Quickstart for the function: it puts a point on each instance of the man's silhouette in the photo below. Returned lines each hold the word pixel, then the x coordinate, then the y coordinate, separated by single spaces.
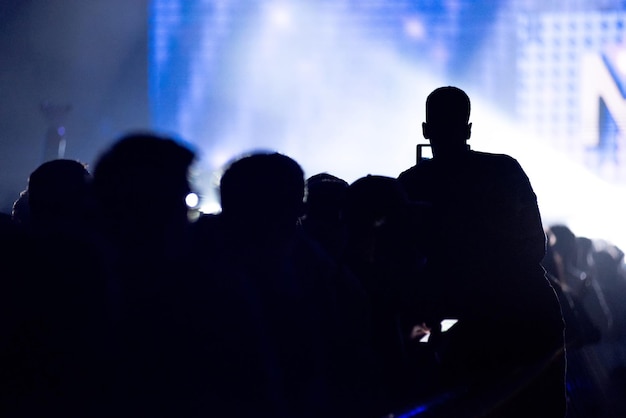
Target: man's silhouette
pixel 484 248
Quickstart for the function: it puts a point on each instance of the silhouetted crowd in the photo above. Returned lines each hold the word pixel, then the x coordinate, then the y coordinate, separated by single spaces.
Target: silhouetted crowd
pixel 423 295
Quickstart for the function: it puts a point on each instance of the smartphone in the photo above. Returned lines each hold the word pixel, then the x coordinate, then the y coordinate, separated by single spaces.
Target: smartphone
pixel 424 152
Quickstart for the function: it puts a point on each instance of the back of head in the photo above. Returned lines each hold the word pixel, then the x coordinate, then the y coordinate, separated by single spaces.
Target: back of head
pixel 263 187
pixel 144 176
pixel 325 196
pixel 563 242
pixel 447 120
pixel 378 216
pixel 448 105
pixel 372 200
pixel 59 190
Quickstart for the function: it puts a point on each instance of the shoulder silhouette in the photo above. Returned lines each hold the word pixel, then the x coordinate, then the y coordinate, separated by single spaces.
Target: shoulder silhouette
pixel 483 268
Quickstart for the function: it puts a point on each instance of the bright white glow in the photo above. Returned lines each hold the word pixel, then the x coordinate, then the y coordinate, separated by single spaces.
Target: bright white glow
pixel 220 156
pixel 280 16
pixel 324 95
pixel 621 61
pixel 446 324
pixel 210 207
pixel 192 200
pixel 414 28
pixel 302 96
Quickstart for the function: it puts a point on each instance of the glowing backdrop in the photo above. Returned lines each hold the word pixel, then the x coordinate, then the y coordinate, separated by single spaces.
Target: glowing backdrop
pixel 339 85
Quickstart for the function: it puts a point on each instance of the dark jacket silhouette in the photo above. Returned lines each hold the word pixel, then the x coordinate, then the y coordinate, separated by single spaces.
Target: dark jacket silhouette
pixel 484 248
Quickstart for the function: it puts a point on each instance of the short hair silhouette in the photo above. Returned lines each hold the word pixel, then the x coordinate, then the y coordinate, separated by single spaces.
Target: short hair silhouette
pixel 325 196
pixel 447 124
pixel 262 185
pixel 373 198
pixel 57 189
pixel 143 173
pixel 447 105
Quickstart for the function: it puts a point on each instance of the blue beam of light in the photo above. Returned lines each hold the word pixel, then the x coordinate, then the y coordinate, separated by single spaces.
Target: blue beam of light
pixel 339 86
pixel 414 412
pixel 427 407
pixel 291 77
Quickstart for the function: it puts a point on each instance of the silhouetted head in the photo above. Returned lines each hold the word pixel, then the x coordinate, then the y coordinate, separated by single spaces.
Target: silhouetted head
pixel 447 124
pixel 563 242
pixel 325 197
pixel 263 191
pixel 59 191
pixel 377 214
pixel 371 200
pixel 143 178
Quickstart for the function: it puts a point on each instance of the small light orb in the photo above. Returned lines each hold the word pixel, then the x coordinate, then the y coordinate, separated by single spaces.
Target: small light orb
pixel 192 200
